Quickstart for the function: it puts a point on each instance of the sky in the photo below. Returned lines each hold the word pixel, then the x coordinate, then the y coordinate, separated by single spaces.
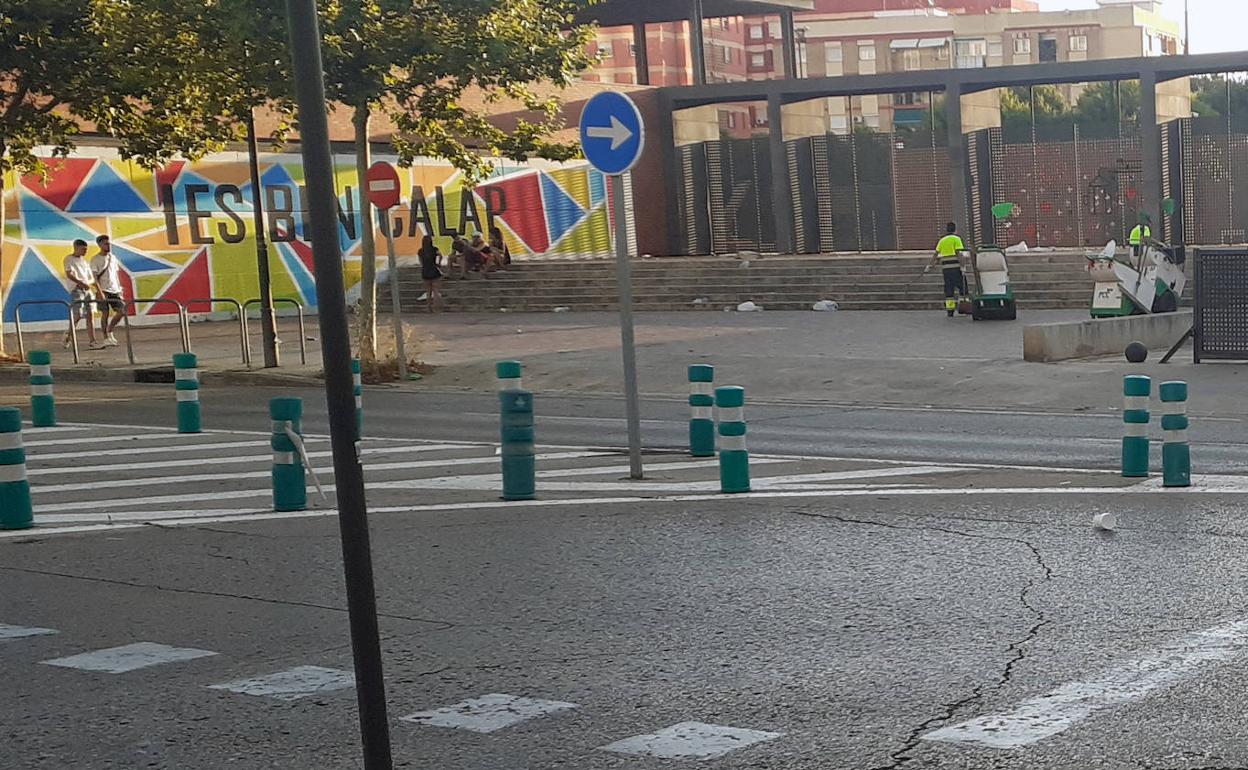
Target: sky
pixel 1211 31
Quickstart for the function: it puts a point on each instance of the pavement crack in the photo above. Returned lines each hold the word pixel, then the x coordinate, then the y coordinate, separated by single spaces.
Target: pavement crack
pixel 441 625
pixel 1015 651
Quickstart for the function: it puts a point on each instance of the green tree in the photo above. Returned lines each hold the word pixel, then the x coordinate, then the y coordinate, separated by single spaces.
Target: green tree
pixel 1016 108
pixel 416 60
pixel 1105 106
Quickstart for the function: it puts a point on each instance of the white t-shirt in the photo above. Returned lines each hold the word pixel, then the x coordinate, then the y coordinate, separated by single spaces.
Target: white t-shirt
pixel 78 269
pixel 105 266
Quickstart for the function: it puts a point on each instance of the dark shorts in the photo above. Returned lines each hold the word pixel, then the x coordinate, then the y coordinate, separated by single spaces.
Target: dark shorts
pixel 433 274
pixel 114 301
pixel 955 281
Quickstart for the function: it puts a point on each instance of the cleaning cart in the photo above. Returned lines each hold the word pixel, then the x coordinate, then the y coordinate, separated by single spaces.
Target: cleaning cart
pixel 994 296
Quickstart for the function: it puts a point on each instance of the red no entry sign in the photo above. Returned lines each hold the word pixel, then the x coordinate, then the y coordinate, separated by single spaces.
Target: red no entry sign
pixel 381 185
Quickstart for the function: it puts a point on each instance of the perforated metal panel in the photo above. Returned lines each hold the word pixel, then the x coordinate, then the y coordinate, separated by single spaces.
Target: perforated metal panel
pixel 1221 312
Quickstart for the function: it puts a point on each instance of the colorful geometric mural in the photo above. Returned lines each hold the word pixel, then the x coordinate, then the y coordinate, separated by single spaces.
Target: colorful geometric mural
pixel 186 231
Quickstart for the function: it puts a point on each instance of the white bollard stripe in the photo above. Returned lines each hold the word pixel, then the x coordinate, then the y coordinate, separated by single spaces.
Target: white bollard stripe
pixel 1135 429
pixel 280 426
pixel 41 370
pixel 510 383
pixel 283 458
pixel 186 375
pixel 12 473
pixel 1174 407
pixel 40 390
pixel 359 402
pixel 703 412
pixel 731 414
pixel 702 388
pixel 188 395
pixel 1174 436
pixel 357 379
pixel 1135 402
pixel 10 441
pixel 732 443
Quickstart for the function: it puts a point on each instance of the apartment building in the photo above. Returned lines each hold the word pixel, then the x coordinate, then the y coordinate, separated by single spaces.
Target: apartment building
pixel 873 36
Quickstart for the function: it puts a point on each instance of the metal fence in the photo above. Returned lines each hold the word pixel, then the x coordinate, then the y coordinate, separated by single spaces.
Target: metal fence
pixel 1074 186
pixel 1220 326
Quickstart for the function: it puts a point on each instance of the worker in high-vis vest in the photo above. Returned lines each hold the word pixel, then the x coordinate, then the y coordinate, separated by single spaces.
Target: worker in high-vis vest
pixel 948 255
pixel 1139 234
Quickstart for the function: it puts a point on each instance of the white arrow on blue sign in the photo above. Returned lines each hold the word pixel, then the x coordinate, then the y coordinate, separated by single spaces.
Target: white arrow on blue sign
pixel 612 133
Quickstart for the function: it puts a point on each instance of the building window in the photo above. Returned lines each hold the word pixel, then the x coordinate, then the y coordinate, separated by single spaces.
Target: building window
pixel 756 32
pixel 761 62
pixel 866 52
pixel 907 99
pixel 942 53
pixel 971 53
pixel 1022 44
pixel 632 50
pixel 1048 48
pixel 872 121
pixel 1079 43
pixel 833 53
pixel 995 49
pixel 727 54
pixel 774 28
pixel 730 119
pixel 912 60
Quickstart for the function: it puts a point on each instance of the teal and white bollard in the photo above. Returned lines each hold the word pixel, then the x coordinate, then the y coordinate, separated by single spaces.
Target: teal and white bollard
pixel 357 381
pixel 701 408
pixel 1176 454
pixel 290 488
pixel 42 402
pixel 509 375
pixel 15 508
pixel 734 460
pixel 1136 390
pixel 186 381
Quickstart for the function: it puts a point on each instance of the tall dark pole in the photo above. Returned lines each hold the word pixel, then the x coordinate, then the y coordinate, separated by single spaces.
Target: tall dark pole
pixel 268 323
pixel 370 687
pixel 1187 30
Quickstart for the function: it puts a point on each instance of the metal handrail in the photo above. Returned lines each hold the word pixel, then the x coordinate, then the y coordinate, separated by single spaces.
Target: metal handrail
pixel 303 345
pixel 243 338
pixel 69 312
pixel 183 324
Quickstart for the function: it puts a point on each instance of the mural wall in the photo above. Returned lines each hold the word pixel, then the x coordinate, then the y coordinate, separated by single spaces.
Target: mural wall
pixel 186 231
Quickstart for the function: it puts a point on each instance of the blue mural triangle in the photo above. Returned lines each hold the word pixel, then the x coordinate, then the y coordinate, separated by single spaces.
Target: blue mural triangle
pixel 298 271
pixel 597 187
pixel 35 281
pixel 42 222
pixel 106 193
pixel 277 176
pixel 135 262
pixel 562 213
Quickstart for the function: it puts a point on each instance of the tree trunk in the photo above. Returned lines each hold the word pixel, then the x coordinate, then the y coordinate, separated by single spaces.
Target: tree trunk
pixel 368 247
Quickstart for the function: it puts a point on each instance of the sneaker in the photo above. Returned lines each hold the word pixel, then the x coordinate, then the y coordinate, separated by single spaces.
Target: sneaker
pixel 111 341
pixel 66 342
pixel 96 345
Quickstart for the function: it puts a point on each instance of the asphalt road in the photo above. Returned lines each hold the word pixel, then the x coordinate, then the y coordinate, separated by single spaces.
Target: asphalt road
pixel 848 631
pixel 1019 437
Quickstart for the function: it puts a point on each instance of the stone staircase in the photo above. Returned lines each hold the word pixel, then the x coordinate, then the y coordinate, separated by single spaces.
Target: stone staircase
pixel 1042 280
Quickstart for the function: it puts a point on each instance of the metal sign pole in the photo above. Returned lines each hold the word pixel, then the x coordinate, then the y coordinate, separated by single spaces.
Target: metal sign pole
pixel 396 310
pixel 624 286
pixel 370 686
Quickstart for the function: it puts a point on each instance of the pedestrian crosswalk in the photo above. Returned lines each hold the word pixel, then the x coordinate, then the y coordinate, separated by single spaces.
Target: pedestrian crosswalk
pixel 90 478
pixel 484 714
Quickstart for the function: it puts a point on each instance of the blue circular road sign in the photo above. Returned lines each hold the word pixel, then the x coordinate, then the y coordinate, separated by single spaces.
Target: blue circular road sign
pixel 612 133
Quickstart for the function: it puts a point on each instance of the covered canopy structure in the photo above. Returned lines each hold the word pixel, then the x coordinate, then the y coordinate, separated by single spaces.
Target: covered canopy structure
pixel 639 13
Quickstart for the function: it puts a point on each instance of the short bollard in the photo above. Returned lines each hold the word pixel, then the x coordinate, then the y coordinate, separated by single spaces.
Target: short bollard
pixel 42 402
pixel 1176 454
pixel 290 489
pixel 186 380
pixel 1136 389
pixel 518 453
pixel 15 508
pixel 701 408
pixel 508 375
pixel 734 460
pixel 357 380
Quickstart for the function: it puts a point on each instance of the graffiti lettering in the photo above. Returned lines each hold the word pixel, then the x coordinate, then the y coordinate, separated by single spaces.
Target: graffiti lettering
pixel 284 213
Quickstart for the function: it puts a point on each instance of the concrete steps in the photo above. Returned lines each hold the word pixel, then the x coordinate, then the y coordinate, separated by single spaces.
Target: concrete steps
pixel 1046 280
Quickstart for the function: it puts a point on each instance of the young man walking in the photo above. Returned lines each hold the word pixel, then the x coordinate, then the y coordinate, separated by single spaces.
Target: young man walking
pixel 107 277
pixel 948 254
pixel 81 285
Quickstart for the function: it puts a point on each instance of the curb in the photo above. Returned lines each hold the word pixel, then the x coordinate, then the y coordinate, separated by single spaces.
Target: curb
pixel 14 375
